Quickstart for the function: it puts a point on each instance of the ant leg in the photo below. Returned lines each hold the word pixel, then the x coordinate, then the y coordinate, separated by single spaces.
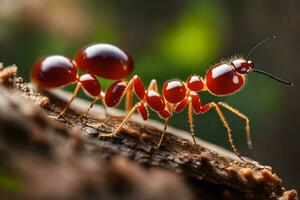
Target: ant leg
pixel 90 107
pixel 226 125
pixel 153 85
pixel 105 109
pixel 78 86
pixel 118 129
pixel 104 104
pixel 129 95
pixel 244 117
pixel 190 115
pixel 135 85
pixel 107 116
pixel 99 124
pixel 87 112
pixel 129 99
pixel 101 97
pixel 163 133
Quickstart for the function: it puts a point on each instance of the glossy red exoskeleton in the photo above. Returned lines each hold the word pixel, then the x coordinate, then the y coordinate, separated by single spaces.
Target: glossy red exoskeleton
pixel 110 62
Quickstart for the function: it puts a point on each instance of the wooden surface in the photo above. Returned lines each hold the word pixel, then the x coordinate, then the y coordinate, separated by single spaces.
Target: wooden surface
pixel 68 159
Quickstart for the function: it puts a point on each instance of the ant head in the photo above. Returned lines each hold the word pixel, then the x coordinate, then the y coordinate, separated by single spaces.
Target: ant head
pixel 242 66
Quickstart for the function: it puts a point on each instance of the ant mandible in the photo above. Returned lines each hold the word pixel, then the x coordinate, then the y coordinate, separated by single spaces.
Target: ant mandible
pixel 107 61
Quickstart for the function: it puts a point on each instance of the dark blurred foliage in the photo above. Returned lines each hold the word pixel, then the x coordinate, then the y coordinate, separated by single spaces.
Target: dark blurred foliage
pixel 173 39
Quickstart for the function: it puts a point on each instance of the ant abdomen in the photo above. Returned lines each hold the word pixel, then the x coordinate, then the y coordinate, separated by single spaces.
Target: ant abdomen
pixel 104 60
pixel 53 71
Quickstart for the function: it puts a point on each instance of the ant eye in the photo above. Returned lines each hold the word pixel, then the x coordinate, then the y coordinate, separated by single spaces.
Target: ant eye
pixel 243 69
pixel 250 64
pixel 242 66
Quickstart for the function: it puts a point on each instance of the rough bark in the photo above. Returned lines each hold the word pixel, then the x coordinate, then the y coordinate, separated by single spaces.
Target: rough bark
pixel 45 158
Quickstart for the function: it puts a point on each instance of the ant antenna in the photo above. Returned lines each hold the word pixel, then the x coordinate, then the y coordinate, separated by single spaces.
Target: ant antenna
pixel 273 77
pixel 260 43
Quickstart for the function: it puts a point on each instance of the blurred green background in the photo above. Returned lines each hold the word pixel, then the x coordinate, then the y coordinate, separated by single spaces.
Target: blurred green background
pixel 174 39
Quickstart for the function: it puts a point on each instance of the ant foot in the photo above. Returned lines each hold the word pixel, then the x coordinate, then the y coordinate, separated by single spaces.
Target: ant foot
pixel 158 145
pixel 56 117
pixel 194 139
pixel 84 116
pixel 111 135
pixel 96 125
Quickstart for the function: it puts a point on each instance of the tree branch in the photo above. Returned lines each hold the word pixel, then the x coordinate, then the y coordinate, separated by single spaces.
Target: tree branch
pixel 68 159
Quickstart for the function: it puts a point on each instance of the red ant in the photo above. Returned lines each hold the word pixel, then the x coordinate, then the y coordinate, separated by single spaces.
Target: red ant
pixel 107 61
